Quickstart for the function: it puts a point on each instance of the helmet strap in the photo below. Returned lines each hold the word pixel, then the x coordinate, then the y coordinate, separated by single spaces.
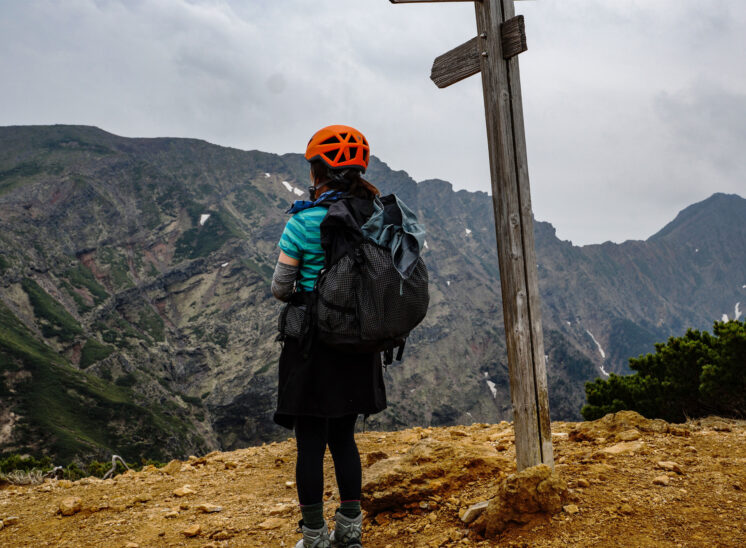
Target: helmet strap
pixel 313 189
pixel 335 176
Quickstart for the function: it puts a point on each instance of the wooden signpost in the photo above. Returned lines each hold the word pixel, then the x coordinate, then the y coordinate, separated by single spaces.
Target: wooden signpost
pixel 493 52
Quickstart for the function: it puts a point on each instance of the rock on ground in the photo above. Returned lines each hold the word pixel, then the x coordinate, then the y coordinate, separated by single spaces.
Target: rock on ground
pixel 621 426
pixel 70 506
pixel 184 491
pixel 193 530
pixel 428 468
pixel 474 511
pixel 623 448
pixel 532 491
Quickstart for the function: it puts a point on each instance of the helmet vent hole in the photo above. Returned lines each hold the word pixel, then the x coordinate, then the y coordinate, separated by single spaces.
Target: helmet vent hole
pixel 353 152
pixel 365 155
pixel 331 154
pixel 344 136
pixel 331 140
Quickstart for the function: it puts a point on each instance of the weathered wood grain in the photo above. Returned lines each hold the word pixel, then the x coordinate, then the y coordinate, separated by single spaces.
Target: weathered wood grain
pixel 515 243
pixel 532 274
pixel 457 64
pixel 501 38
pixel 513 32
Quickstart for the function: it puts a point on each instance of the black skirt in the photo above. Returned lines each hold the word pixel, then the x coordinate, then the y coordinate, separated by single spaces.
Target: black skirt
pixel 327 384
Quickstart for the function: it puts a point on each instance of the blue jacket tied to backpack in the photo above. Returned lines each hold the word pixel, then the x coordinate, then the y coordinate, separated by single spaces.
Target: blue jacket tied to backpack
pixel 395 226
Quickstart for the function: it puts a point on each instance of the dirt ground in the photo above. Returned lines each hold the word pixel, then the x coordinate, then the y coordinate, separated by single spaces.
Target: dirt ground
pixel 619 495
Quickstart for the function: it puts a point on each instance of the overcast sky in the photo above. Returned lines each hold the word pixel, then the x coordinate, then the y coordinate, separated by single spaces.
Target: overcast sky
pixel 634 108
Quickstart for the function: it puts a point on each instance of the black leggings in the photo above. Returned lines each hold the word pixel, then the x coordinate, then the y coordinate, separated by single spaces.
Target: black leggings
pixel 312 434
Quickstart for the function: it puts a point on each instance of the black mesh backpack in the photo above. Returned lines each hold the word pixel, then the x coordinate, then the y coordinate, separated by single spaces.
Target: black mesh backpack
pixel 363 303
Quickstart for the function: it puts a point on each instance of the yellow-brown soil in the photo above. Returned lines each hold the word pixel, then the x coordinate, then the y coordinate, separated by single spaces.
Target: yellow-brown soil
pixel 612 486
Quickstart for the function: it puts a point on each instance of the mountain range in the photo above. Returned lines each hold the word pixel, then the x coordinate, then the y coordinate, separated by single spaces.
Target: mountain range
pixel 136 316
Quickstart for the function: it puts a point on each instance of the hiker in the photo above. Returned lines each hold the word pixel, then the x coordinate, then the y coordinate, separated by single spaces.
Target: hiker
pixel 321 390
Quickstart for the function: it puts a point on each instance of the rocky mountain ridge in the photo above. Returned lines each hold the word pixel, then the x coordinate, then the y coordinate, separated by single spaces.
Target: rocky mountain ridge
pixel 136 318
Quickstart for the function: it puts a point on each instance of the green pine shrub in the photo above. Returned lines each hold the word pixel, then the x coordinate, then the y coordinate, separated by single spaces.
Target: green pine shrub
pixel 691 376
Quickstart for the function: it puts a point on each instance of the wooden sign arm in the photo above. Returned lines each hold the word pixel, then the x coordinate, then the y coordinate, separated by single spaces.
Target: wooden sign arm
pixel 457 64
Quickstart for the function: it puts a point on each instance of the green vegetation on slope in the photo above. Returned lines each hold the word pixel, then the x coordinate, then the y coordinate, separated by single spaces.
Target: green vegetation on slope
pixel 11 177
pixel 70 413
pixel 81 278
pixel 691 376
pixel 202 240
pixel 54 319
pixel 93 351
pixel 25 464
pixel 72 141
pixel 264 270
pixel 119 270
pixel 150 322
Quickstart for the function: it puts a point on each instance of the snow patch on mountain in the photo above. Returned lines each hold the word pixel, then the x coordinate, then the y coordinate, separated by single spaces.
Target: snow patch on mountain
pixel 203 218
pixel 493 388
pixel 294 189
pixel 600 350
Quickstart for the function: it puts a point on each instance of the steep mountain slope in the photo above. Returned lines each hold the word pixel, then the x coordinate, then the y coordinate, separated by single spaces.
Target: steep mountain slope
pixel 631 294
pixel 142 266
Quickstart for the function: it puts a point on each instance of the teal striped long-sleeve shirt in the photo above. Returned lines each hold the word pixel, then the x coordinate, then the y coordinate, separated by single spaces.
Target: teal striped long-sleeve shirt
pixel 301 240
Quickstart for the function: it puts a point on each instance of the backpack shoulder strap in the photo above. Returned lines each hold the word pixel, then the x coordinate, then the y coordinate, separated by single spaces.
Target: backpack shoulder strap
pixel 340 229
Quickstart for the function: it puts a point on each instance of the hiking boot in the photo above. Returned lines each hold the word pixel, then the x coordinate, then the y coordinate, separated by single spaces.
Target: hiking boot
pixel 313 538
pixel 348 531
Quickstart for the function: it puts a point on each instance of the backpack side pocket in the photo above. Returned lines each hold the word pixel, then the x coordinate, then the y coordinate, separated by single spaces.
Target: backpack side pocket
pixel 292 321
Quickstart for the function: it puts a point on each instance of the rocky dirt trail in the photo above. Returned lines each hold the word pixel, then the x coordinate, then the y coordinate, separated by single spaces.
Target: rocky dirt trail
pixel 631 482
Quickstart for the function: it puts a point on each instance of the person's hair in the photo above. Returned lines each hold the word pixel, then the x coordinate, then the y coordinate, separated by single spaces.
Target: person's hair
pixel 347 180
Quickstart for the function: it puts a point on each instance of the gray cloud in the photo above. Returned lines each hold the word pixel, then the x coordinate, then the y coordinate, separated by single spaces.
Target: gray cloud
pixel 708 124
pixel 634 109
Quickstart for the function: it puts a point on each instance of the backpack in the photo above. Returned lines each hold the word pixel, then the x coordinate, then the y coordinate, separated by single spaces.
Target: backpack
pixel 373 289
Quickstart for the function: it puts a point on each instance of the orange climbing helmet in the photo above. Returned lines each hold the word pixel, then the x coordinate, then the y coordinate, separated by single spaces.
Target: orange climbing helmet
pixel 339 147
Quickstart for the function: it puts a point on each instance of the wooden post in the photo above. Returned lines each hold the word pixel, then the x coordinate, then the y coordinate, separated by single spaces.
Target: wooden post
pixel 515 238
pixel 500 38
